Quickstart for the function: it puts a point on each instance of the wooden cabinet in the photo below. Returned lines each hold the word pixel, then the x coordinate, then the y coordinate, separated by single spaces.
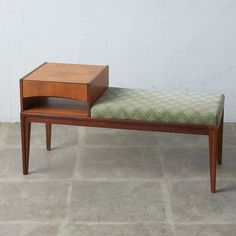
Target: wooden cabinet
pixel 56 88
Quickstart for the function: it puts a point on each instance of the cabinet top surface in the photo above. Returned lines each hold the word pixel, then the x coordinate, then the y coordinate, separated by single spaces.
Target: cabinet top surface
pixel 65 73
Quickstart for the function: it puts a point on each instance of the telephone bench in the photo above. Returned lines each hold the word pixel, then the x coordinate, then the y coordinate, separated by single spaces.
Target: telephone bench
pixel 72 94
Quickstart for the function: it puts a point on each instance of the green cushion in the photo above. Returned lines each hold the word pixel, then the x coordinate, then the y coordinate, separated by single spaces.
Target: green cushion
pixel 168 107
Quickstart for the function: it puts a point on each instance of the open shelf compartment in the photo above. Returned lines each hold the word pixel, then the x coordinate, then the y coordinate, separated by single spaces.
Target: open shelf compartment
pixel 56 106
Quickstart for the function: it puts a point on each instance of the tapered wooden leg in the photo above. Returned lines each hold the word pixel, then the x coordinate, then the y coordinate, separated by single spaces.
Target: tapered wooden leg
pixel 25 140
pixel 48 135
pixel 220 142
pixel 213 149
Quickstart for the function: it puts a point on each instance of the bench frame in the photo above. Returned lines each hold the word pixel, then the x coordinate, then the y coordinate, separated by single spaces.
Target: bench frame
pixel 215 133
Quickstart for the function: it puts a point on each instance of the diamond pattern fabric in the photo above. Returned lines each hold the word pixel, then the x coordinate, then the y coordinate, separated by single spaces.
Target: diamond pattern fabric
pixel 157 106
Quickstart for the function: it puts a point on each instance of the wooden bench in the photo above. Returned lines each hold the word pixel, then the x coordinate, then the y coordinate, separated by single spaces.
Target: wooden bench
pixel 79 95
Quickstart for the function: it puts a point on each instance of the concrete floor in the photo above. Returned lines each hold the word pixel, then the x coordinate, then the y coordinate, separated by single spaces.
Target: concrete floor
pixel 104 182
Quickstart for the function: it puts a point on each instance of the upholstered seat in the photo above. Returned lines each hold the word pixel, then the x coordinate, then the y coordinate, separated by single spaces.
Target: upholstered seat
pixel 168 107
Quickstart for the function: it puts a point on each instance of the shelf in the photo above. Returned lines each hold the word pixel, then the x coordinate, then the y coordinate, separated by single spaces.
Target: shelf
pixel 58 106
pixel 63 89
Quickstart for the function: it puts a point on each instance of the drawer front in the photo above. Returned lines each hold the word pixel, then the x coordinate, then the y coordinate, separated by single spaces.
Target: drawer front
pixel 52 89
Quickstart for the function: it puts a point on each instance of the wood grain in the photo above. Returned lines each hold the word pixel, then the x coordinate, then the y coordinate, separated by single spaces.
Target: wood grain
pixel 48 127
pixel 220 139
pixel 213 148
pixel 211 131
pixel 118 123
pixel 82 82
pixel 43 100
pixel 65 73
pixel 59 106
pixel 63 90
pixel 97 87
pixel 25 141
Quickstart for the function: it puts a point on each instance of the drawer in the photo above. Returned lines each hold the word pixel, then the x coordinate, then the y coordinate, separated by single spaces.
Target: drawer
pixel 54 89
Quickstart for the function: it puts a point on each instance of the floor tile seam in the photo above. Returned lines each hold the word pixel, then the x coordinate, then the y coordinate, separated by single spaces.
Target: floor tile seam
pixel 64 223
pixel 109 180
pixel 56 147
pixel 163 144
pixel 168 209
pixel 156 138
pixel 166 196
pixel 6 146
pixel 59 222
pixel 72 180
pixel 36 180
pixel 68 199
pixel 14 147
pixel 32 146
pixel 117 146
pixel 80 135
pixel 62 228
pixel 32 222
pixel 152 222
pixel 213 222
pixel 208 223
pixel 190 179
pixel 116 222
pixel 77 179
pixel 76 172
pixel 180 146
pixel 76 151
pixel 108 131
pixel 110 147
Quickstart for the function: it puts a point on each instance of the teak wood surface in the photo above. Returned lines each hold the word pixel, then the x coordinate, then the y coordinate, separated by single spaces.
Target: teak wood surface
pixel 83 82
pixel 50 111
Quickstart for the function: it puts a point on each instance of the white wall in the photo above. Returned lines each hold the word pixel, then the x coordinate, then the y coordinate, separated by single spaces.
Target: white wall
pixel 161 44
